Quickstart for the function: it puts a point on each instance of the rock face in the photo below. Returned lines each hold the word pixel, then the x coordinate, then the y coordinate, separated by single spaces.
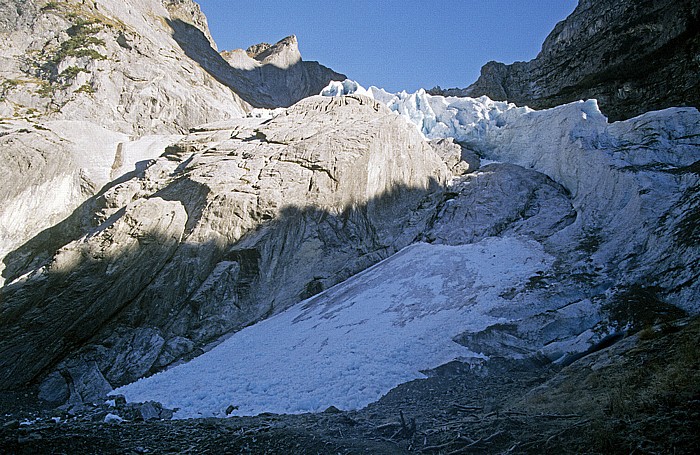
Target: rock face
pixel 115 62
pixel 60 165
pixel 235 222
pixel 147 232
pixel 501 200
pixel 91 91
pixel 632 56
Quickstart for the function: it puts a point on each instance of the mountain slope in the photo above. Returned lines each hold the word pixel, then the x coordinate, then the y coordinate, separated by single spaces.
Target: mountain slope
pixel 82 83
pixel 275 211
pixel 112 63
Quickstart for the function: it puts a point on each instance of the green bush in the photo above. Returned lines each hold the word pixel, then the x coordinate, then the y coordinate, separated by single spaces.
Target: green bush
pixel 86 88
pixel 71 72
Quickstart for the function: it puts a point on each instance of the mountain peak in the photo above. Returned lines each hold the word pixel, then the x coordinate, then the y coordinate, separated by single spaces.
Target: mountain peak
pixel 282 54
pixel 191 13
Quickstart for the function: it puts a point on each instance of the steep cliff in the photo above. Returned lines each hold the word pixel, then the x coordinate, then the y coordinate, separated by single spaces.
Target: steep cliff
pixel 90 91
pixel 632 56
pixel 234 223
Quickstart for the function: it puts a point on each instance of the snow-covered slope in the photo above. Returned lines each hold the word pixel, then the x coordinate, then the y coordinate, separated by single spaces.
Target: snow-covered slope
pixel 353 343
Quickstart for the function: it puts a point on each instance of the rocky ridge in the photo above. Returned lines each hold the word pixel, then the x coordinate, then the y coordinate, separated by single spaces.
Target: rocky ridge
pixel 632 56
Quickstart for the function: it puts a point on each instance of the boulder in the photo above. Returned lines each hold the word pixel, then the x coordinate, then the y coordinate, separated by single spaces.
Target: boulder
pixel 87 384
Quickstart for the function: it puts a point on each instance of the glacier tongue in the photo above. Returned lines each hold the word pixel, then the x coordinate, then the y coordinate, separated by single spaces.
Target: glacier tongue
pixel 623 177
pixel 353 343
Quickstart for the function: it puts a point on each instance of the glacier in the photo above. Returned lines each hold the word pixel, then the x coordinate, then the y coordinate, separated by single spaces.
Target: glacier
pixel 438 117
pixel 351 344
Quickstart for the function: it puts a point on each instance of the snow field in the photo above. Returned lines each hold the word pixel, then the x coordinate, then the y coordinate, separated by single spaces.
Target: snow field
pixel 356 341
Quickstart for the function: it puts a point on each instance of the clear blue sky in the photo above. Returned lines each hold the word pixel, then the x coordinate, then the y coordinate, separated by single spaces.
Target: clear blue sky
pixel 394 44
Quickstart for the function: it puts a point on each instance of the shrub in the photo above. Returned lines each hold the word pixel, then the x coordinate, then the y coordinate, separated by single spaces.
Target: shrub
pixel 637 307
pixel 86 88
pixel 71 72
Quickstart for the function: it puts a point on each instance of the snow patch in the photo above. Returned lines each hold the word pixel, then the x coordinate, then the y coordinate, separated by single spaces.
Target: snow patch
pixel 353 343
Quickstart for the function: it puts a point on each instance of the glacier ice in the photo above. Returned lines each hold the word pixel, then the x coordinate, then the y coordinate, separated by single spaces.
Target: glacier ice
pixel 438 117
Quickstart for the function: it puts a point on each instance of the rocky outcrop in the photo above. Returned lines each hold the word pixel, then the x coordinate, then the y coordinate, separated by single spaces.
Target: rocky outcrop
pixel 113 62
pixel 189 12
pixel 459 159
pixel 276 73
pixel 90 91
pixel 632 56
pixel 501 200
pixel 236 222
